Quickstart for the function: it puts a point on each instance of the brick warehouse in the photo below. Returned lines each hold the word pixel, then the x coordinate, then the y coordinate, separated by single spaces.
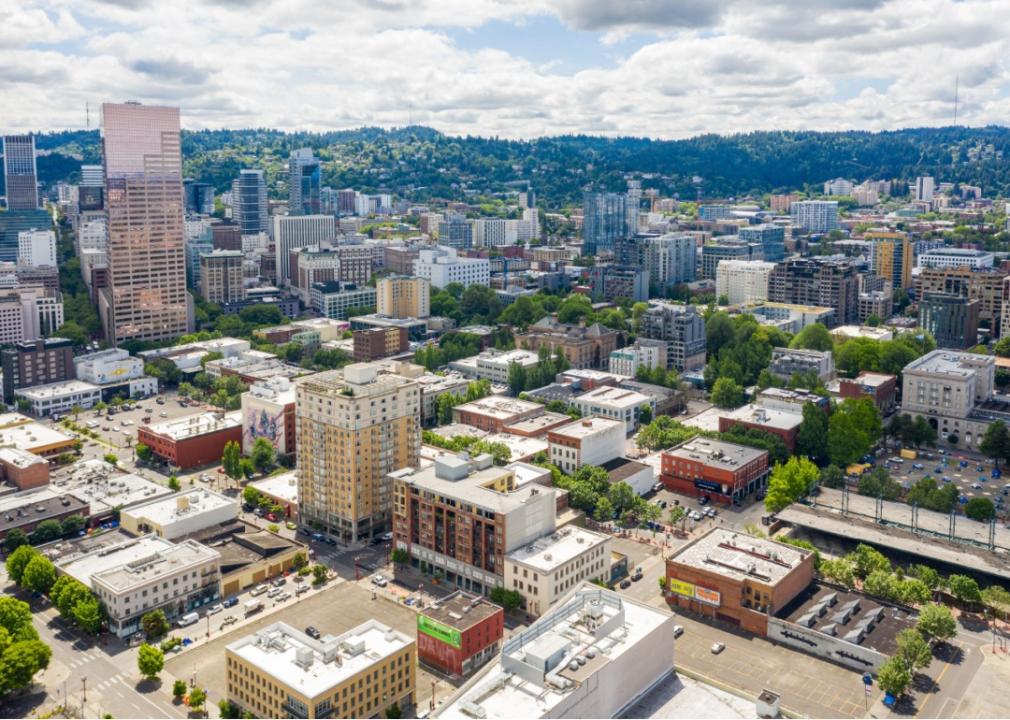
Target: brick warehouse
pixel 192 441
pixel 459 633
pixel 721 471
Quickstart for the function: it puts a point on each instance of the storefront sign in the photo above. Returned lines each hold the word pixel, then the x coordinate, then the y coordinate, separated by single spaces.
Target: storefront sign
pixel 680 587
pixel 711 597
pixel 437 630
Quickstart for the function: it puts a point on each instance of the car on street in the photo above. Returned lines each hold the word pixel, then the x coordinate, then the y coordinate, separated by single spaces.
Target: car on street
pixel 230 602
pixel 280 582
pixel 163 414
pixel 625 584
pixel 946 479
pixel 695 515
pixel 258 590
pixel 976 486
pixel 379 581
pixel 303 588
pixel 313 633
pixel 718 648
pixel 215 609
pixel 274 592
pixel 281 597
pixel 678 630
pixel 918 466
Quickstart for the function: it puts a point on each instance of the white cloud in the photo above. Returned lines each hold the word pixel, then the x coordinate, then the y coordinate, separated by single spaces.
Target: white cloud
pixel 700 66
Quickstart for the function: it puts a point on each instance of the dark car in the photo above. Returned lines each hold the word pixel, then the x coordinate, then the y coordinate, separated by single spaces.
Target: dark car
pixel 625 584
pixel 313 633
pixel 230 602
pixel 330 541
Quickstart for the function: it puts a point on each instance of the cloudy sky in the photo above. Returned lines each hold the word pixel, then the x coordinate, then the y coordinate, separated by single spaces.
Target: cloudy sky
pixel 513 68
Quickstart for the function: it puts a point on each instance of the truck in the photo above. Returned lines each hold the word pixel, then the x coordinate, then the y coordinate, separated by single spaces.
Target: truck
pixel 188 619
pixel 908 454
pixel 857 469
pixel 253 606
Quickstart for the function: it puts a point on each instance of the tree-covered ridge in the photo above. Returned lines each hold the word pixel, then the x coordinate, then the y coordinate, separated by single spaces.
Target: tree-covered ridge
pixel 421 163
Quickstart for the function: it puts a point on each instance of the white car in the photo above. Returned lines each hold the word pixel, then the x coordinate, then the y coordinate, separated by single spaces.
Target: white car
pixel 281 597
pixel 718 648
pixel 215 609
pixel 379 581
pixel 303 588
pixel 274 592
pixel 678 630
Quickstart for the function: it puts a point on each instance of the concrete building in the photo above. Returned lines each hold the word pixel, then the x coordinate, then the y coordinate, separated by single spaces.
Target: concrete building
pixel 40 362
pixel 192 441
pixel 432 386
pixel 743 281
pixel 644 353
pixel 588 441
pixel 682 328
pixel 838 186
pixel 106 492
pixel 608 283
pixel 495 413
pixel 956 257
pixel 26 510
pixel 461 516
pixel 984 286
pixel 951 319
pixel 282 672
pixel 334 299
pixel 738 579
pixel 20 431
pixel 281 489
pixel 728 248
pixel 59 397
pixel 376 343
pixel 249 202
pixel 355 426
pixel 268 411
pixel 494 364
pixel 179 515
pixel 721 471
pixel 892 257
pixel 147 573
pixel 952 390
pixel 29 313
pixel 815 216
pixel 784 422
pixel 441 265
pixel 615 403
pixel 116 372
pixel 459 633
pixel 771 237
pixel 291 232
pixel 13 223
pixel 538 674
pixel 403 297
pixel 549 568
pixel 820 282
pixel 146 297
pixel 456 232
pixel 924 189
pixel 221 278
pixel 583 346
pixel 37 248
pixel 879 387
pixel 20 175
pixel 792 318
pixel 669 259
pixel 787 362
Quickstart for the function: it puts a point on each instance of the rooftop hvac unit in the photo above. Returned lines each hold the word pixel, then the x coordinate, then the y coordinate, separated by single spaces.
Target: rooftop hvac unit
pixel 303 657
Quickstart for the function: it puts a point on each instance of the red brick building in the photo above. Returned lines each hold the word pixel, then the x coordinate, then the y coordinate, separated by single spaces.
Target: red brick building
pixel 375 343
pixel 22 469
pixel 770 420
pixel 721 471
pixel 494 413
pixel 879 387
pixel 737 579
pixel 459 633
pixel 192 441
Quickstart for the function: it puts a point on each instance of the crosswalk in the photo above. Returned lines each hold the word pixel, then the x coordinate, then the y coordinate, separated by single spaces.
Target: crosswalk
pixel 80 661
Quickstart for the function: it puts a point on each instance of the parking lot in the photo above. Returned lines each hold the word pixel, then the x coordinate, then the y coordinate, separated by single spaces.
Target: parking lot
pixel 974 479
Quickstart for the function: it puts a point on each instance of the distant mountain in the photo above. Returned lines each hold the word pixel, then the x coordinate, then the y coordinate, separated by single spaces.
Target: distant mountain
pixel 421 163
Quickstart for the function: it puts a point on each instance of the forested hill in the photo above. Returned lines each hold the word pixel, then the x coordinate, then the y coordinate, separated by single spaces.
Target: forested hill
pixel 420 163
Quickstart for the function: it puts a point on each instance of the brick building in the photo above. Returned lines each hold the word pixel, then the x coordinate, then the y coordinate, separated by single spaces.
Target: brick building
pixel 737 579
pixel 879 387
pixel 721 471
pixel 38 362
pixel 192 441
pixel 459 633
pixel 494 413
pixel 22 469
pixel 376 343
pixel 585 347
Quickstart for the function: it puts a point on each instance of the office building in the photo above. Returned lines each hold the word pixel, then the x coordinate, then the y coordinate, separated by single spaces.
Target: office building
pixel 441 265
pixel 356 263
pixel 334 299
pixel 682 328
pixel 727 248
pixel 268 412
pixel 956 257
pixel 985 286
pixel 310 266
pixel 39 362
pixel 605 222
pixel 616 403
pixel 772 239
pixel 819 282
pixel 587 441
pixel 550 567
pixel 191 441
pixel 740 578
pixel 29 313
pixel 20 176
pixel 461 516
pixel 493 364
pixel 609 282
pixel 403 297
pixel 15 222
pixel 249 202
pixel 179 515
pixel 892 257
pixel 199 197
pixel 925 187
pixel 355 426
pixel 221 279
pixel 291 232
pixel 304 182
pixel 539 674
pixel 721 471
pixel 583 346
pixel 787 362
pixel 714 212
pixel 456 232
pixel 495 413
pixel 459 633
pixel 37 248
pixel 951 319
pixel 279 671
pixel 146 298
pixel 815 216
pixel 950 390
pixel 644 353
pixel 669 259
pixel 376 343
pixel 743 281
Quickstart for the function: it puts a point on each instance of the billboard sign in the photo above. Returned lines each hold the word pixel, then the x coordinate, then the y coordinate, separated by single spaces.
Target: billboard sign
pixel 443 633
pixel 680 587
pixel 711 597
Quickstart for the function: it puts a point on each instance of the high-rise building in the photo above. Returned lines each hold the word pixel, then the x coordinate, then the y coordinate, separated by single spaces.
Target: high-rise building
pixel 15 222
pixel 820 282
pixel 771 237
pixel 632 207
pixel 355 427
pixel 892 257
pixel 682 328
pixel 293 232
pixel 924 189
pixel 729 247
pixel 527 199
pixel 838 186
pixel 456 232
pixel 669 259
pixel 37 248
pixel 146 298
pixel 39 362
pixel 951 319
pixel 19 172
pixel 815 216
pixel 304 183
pixel 199 197
pixel 249 202
pixel 442 265
pixel 403 297
pixel 610 282
pixel 604 221
pixel 711 213
pixel 221 277
pixel 743 281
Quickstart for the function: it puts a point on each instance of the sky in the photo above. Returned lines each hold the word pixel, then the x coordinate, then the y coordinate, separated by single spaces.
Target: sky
pixel 511 68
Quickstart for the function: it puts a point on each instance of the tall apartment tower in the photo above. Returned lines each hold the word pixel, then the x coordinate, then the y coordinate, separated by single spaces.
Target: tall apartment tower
pixel 605 221
pixel 403 297
pixel 249 202
pixel 354 428
pixel 19 172
pixel 221 277
pixel 304 182
pixel 146 296
pixel 892 257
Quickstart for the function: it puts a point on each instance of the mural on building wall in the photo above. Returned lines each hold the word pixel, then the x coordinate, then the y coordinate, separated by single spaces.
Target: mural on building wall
pixel 264 425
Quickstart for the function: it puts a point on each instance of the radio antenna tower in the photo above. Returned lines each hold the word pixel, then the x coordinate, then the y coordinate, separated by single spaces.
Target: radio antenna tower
pixel 957 83
pixel 87 115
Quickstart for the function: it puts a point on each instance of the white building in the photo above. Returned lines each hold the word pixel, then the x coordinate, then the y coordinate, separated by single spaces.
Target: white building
pixel 547 569
pixel 493 232
pixel 59 397
pixel 143 574
pixel 115 367
pixel 179 515
pixel 616 403
pixel 28 313
pixel 99 484
pixel 924 189
pixel 626 649
pixel 37 248
pixel 743 281
pixel 442 265
pixel 282 489
pixel 268 411
pixel 645 353
pixel 815 216
pixel 838 186
pixel 494 364
pixel 956 257
pixel 588 441
pixel 291 232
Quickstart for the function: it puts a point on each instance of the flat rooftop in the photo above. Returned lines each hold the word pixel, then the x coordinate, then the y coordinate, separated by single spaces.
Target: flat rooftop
pixel 32 436
pixel 765 416
pixel 104 490
pixel 522 357
pixel 283 486
pixel 740 557
pixel 520 447
pixel 948 362
pixel 872 379
pixel 538 425
pixel 620 469
pixel 314 667
pixel 20 458
pixel 500 408
pixel 460 610
pixel 716 453
pixel 548 553
pixel 189 503
pixel 618 398
pixel 33 506
pixel 588 427
pixel 194 425
pixel 56 390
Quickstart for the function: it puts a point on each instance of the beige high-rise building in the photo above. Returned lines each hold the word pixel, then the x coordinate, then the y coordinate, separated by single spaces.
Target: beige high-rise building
pixel 221 276
pixel 146 297
pixel 403 297
pixel 355 426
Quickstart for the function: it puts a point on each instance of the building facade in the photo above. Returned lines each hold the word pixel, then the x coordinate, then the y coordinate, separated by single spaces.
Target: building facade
pixel 20 176
pixel 249 202
pixel 403 297
pixel 682 328
pixel 743 281
pixel 459 633
pixel 40 362
pixel 721 471
pixel 221 278
pixel 588 441
pixel 951 319
pixel 817 282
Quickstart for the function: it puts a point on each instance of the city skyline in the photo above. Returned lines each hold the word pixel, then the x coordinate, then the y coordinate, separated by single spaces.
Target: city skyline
pixel 521 69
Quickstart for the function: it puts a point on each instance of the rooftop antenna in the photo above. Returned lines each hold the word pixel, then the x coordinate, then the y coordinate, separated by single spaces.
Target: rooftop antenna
pixel 87 115
pixel 957 83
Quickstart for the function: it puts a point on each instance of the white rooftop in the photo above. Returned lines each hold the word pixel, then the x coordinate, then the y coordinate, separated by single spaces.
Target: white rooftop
pixel 314 667
pixel 20 458
pixel 501 408
pixel 612 397
pixel 769 417
pixel 189 503
pixel 283 486
pixel 587 427
pixel 192 425
pixel 99 486
pixel 552 551
pixel 56 390
pixel 741 557
pixel 138 554
pixel 22 432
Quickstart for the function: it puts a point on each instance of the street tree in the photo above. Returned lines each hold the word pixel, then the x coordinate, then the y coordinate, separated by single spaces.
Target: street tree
pixel 39 575
pixel 154 624
pixel 812 438
pixel 894 676
pixel 231 459
pixel 996 442
pixel 936 622
pixel 18 560
pixel 150 661
pixel 20 662
pixel 789 482
pixel 964 589
pixel 263 455
pixel 913 649
pixel 727 394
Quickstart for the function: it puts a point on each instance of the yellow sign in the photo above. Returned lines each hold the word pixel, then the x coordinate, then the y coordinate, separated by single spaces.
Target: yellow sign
pixel 680 587
pixel 712 597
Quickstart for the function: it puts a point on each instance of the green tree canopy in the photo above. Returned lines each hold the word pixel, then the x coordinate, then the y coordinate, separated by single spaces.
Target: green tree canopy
pixel 789 482
pixel 814 336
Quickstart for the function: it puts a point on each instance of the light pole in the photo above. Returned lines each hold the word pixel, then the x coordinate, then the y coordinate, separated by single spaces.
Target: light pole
pixel 84 689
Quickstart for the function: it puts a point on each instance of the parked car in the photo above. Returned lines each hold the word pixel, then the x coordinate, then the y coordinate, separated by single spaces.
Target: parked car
pixel 258 590
pixel 280 582
pixel 281 597
pixel 274 592
pixel 313 633
pixel 718 648
pixel 303 588
pixel 625 584
pixel 946 479
pixel 918 466
pixel 230 602
pixel 976 486
pixel 379 581
pixel 215 609
pixel 678 630
pixel 290 525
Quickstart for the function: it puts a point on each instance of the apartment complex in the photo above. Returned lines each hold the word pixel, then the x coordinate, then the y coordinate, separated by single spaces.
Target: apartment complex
pixel 682 328
pixel 40 362
pixel 249 202
pixel 441 265
pixel 588 441
pixel 951 319
pixel 771 237
pixel 892 257
pixel 615 403
pixel 743 281
pixel 292 232
pixel 146 297
pixel 985 286
pixel 815 216
pixel 823 282
pixel 221 277
pixel 787 362
pixel 379 342
pixel 403 297
pixel 355 426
